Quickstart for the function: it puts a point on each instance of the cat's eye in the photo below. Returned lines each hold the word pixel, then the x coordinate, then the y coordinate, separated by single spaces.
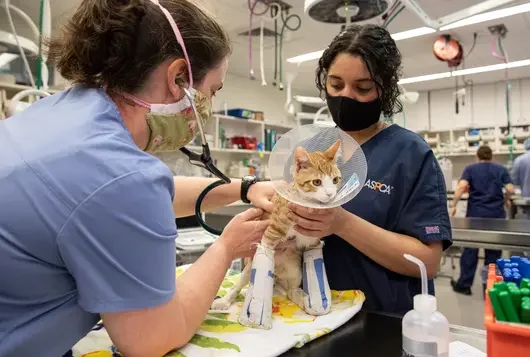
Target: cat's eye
pixel 336 180
pixel 317 182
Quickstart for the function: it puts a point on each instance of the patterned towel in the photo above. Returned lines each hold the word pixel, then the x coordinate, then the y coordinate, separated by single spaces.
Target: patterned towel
pixel 221 335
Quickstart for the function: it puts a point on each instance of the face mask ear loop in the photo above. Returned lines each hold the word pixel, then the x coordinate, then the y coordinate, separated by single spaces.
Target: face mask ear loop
pixel 202 160
pixel 178 35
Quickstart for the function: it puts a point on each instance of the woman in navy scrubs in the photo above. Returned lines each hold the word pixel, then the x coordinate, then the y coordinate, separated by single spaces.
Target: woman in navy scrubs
pixel 403 205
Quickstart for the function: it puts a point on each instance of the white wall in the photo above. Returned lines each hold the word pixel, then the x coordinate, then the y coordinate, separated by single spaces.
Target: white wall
pixel 484 107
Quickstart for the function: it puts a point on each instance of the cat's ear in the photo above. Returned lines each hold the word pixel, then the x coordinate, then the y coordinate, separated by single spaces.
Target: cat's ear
pixel 301 159
pixel 331 153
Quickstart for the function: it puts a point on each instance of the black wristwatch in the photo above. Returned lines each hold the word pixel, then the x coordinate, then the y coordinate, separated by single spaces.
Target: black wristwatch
pixel 246 182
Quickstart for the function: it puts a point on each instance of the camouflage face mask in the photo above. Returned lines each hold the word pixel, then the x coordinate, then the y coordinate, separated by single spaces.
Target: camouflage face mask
pixel 173 126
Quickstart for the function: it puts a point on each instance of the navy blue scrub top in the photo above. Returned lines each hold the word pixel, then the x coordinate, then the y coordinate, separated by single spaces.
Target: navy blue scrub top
pixel 486 181
pixel 404 193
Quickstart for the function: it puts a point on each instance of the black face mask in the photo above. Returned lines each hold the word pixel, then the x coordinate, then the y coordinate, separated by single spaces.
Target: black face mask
pixel 351 115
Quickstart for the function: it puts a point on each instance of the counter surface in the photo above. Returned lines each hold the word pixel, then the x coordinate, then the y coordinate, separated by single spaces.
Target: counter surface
pixel 491 233
pixel 496 225
pixel 374 335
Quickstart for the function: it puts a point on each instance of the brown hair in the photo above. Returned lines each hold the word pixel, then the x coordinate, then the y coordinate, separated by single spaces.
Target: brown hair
pixel 484 153
pixel 118 43
pixel 377 48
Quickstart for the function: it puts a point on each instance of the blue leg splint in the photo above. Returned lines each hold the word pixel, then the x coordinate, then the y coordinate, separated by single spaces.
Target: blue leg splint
pixel 257 309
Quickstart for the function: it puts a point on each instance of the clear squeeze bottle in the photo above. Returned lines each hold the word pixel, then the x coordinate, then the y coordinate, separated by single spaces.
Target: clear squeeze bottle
pixel 425 330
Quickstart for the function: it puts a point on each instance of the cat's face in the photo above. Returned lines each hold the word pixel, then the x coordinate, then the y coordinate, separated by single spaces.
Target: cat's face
pixel 316 175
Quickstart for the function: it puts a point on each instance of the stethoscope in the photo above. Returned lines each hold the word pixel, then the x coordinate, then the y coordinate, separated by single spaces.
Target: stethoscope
pixel 285 25
pixel 205 161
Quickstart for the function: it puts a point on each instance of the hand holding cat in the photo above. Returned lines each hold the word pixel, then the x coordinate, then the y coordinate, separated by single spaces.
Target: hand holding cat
pixel 243 232
pixel 260 194
pixel 317 223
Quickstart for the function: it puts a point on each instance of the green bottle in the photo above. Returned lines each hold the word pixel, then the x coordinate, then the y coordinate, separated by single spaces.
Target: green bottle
pixel 508 307
pixel 525 292
pixel 496 304
pixel 525 312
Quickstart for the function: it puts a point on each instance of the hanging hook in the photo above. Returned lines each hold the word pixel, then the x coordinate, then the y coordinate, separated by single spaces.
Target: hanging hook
pixel 285 25
pixel 251 6
pixel 261 40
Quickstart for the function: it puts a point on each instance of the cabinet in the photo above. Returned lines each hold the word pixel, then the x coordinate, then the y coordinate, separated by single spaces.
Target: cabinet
pixel 443 111
pixel 516 106
pixel 487 111
pixel 517 116
pixel 524 100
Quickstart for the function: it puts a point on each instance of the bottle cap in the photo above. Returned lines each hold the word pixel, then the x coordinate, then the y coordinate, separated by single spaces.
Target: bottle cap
pixel 525 283
pixel 515 258
pixel 501 286
pixel 525 292
pixel 425 303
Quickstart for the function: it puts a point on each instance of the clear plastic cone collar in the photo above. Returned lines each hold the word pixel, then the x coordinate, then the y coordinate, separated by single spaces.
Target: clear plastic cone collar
pixel 317 167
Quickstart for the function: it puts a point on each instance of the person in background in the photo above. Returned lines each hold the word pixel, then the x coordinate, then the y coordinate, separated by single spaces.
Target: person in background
pixel 485 181
pixel 521 174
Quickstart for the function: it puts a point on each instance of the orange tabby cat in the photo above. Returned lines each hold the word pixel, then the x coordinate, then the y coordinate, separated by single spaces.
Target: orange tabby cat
pixel 316 178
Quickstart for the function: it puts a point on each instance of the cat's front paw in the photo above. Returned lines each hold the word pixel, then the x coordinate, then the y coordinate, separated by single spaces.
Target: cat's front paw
pixel 221 304
pixel 316 310
pixel 256 315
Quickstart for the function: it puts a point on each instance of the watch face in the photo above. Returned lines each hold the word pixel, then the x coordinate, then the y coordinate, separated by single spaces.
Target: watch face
pixel 249 177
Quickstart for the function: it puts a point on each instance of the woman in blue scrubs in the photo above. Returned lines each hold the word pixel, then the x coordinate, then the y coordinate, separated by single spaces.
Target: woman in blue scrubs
pixel 403 206
pixel 87 214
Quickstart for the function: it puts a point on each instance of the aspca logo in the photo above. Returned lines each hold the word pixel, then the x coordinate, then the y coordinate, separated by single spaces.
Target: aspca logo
pixel 378 186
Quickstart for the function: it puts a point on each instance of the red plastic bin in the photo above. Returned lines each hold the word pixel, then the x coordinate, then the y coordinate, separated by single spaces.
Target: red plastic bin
pixel 503 340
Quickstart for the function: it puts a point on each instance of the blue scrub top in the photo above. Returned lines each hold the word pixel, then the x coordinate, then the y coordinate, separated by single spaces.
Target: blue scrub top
pixel 521 173
pixel 521 176
pixel 404 193
pixel 486 181
pixel 86 223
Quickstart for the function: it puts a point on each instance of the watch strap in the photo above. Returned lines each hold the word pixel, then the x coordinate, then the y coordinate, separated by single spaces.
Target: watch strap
pixel 246 182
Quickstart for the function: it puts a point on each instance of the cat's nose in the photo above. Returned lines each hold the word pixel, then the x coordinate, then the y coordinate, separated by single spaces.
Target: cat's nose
pixel 329 194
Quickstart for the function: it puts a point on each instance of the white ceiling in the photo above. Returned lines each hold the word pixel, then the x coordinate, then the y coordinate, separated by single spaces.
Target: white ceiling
pixel 312 36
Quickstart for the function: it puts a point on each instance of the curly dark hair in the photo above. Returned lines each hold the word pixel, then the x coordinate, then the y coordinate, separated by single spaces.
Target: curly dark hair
pixel 378 50
pixel 118 43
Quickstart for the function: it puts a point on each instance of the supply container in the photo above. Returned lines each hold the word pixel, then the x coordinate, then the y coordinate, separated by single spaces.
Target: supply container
pixel 425 330
pixel 191 243
pixel 245 114
pixel 503 339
